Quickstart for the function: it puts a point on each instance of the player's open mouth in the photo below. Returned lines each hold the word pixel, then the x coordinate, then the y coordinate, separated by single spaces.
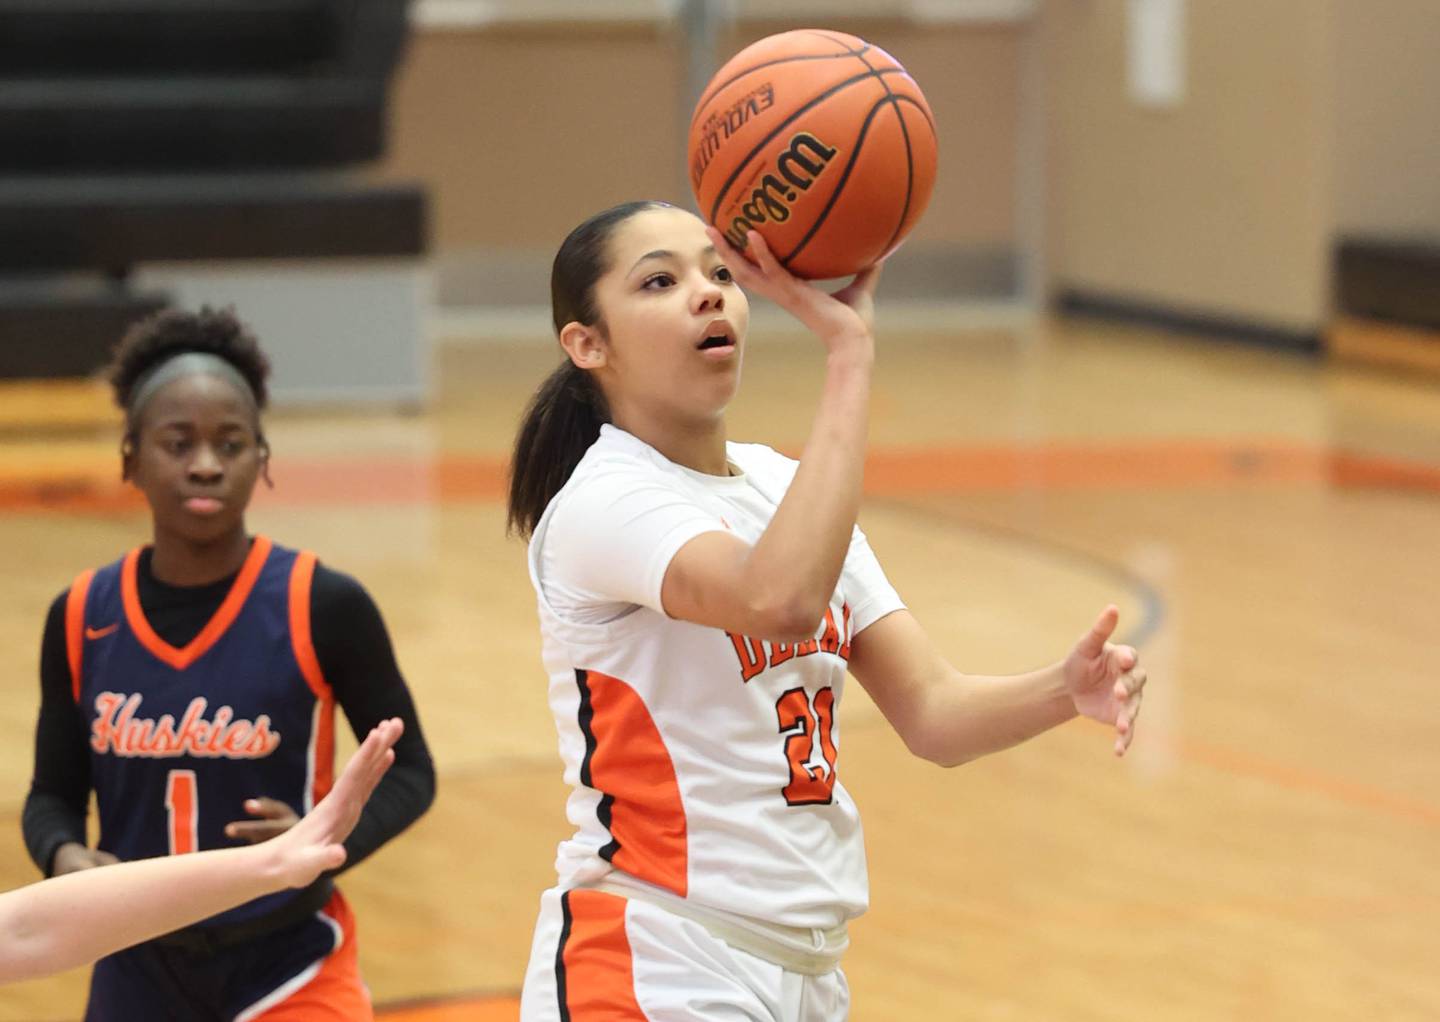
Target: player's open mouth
pixel 719 338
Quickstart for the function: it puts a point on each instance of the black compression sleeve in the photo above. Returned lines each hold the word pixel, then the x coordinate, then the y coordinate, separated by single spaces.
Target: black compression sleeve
pixel 358 662
pixel 60 788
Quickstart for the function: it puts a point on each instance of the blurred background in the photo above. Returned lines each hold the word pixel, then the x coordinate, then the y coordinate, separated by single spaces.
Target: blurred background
pixel 1168 334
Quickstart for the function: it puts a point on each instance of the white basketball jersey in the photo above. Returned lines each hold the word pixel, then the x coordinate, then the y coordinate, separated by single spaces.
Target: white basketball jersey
pixel 701 761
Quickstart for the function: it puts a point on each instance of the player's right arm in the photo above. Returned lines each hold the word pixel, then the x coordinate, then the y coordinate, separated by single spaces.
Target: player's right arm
pixel 779 588
pixel 53 821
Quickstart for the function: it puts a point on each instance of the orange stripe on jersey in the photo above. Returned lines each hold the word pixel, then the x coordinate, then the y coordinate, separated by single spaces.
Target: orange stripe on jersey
pixel 214 628
pixel 75 628
pixel 627 762
pixel 300 577
pixel 594 974
pixel 323 737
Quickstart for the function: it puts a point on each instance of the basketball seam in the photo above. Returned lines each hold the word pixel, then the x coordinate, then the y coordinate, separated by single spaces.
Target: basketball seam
pixel 709 97
pixel 745 162
pixel 891 100
pixel 909 163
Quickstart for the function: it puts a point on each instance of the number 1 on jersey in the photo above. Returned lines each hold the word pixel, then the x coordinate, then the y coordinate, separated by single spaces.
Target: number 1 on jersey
pixel 810 783
pixel 180 801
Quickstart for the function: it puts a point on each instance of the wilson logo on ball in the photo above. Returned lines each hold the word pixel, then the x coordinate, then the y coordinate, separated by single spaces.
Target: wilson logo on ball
pixel 818 141
pixel 799 166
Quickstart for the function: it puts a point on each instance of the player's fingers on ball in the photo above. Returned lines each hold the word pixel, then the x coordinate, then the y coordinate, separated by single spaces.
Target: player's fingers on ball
pixel 869 278
pixel 721 243
pixel 766 258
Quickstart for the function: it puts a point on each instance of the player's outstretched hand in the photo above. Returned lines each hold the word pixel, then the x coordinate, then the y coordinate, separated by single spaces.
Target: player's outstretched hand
pixel 845 315
pixel 313 845
pixel 1106 681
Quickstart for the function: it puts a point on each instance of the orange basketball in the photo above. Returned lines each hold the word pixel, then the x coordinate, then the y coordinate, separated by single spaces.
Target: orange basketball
pixel 819 141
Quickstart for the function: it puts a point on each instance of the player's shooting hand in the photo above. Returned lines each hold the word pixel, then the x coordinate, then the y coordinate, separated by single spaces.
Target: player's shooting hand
pixel 314 844
pixel 274 818
pixel 72 857
pixel 1105 680
pixel 846 316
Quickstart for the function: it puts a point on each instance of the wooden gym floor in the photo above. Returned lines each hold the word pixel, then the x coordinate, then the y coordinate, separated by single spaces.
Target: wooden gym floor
pixel 1269 526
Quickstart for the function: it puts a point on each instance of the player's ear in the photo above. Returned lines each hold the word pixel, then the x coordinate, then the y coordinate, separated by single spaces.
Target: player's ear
pixel 127 457
pixel 584 344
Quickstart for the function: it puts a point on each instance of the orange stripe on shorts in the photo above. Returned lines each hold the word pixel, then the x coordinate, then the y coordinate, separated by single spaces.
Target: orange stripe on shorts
pixel 594 976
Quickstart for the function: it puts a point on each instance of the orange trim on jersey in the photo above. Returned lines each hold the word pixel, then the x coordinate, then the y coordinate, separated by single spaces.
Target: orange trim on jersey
pixel 301 576
pixel 599 974
pixel 324 750
pixel 336 993
pixel 214 628
pixel 75 628
pixel 630 766
pixel 301 641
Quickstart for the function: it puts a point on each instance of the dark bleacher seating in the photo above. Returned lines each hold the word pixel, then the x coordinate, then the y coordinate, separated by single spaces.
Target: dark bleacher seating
pixel 135 131
pixel 167 85
pixel 1389 279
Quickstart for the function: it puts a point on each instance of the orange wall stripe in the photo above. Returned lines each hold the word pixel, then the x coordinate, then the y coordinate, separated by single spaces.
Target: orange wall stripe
pixel 630 763
pixel 75 628
pixel 213 630
pixel 599 974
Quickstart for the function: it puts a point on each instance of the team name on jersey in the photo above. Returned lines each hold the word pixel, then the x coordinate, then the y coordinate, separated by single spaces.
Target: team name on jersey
pixel 757 654
pixel 117 729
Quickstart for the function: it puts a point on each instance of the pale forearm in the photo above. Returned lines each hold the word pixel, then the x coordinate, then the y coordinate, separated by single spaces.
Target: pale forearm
pixel 70 920
pixel 965 716
pixel 797 560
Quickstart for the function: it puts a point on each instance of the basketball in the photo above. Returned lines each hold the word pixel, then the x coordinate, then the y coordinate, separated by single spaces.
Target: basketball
pixel 821 142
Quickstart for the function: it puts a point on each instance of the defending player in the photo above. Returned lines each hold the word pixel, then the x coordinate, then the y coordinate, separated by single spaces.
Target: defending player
pixel 192 685
pixel 700 602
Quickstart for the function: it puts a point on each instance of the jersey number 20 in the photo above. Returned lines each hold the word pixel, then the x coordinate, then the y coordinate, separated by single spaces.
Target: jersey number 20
pixel 811 783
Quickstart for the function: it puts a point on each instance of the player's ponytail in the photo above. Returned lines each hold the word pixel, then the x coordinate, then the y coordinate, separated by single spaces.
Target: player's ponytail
pixel 563 420
pixel 565 415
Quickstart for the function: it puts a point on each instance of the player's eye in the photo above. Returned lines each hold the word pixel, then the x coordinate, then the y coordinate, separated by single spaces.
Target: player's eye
pixel 722 274
pixel 658 281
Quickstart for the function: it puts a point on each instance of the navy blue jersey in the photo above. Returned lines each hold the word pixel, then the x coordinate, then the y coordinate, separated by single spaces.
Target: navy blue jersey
pixel 181 738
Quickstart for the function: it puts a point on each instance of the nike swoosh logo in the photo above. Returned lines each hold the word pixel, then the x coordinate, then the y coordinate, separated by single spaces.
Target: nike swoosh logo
pixel 100 633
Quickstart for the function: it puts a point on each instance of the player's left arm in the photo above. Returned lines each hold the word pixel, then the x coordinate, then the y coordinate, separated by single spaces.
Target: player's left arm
pixel 949 717
pixel 358 661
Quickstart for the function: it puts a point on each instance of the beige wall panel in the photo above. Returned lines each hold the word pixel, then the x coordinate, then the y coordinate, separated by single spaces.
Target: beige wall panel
pixel 522 132
pixel 1221 205
pixel 1387 111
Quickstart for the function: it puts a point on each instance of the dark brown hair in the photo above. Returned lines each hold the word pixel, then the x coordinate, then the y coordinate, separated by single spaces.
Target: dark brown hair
pixel 566 413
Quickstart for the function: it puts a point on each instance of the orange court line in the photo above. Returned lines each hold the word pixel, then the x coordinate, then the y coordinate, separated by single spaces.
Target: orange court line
pixel 1161 464
pixel 1293 778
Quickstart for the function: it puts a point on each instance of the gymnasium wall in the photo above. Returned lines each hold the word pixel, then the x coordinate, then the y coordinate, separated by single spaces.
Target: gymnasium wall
pixel 522 131
pixel 1220 206
pixel 1387 94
